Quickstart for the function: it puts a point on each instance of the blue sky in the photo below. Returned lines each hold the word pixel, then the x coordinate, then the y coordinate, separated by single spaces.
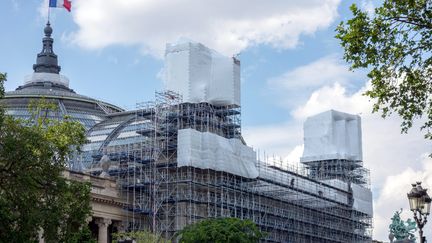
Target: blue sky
pixel 291 68
pixel 99 72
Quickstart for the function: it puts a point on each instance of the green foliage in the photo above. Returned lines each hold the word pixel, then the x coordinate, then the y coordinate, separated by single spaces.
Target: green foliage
pixel 33 193
pixel 2 80
pixel 226 230
pixel 139 236
pixel 3 77
pixel 395 44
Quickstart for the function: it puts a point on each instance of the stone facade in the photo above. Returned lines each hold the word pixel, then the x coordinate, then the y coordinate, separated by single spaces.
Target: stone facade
pixel 108 214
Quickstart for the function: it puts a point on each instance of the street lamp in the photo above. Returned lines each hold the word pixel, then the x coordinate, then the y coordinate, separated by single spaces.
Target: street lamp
pixel 419 202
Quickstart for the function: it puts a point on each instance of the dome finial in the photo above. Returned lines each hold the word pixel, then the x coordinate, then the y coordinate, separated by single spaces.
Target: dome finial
pixel 46 61
pixel 48 30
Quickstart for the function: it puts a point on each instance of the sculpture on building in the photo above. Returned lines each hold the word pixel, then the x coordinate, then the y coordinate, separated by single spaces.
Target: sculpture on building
pixel 402 230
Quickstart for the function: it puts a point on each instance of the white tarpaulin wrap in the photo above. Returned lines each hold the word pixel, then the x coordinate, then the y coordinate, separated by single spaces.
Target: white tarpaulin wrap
pixel 362 199
pixel 332 135
pixel 44 77
pixel 200 74
pixel 209 151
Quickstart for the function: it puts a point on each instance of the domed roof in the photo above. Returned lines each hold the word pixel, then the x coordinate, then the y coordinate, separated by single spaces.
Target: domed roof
pixel 46 82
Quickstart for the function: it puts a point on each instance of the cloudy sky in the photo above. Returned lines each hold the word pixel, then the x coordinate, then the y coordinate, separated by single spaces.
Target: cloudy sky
pixel 291 69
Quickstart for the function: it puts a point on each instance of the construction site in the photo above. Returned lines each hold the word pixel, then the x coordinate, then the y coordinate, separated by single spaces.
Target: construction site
pixel 179 160
pixel 291 204
pixel 182 158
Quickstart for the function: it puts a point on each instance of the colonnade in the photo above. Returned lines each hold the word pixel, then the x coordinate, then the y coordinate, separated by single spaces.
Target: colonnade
pixel 103 224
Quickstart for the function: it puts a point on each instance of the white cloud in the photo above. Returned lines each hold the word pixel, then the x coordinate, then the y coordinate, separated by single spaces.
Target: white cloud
pixel 295 154
pixel 392 157
pixel 333 97
pixel 383 144
pixel 295 86
pixel 393 196
pixel 275 139
pixel 227 26
pixel 296 89
pixel 326 70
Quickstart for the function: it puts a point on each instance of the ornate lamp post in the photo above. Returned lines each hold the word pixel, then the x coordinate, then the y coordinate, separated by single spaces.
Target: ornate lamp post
pixel 419 202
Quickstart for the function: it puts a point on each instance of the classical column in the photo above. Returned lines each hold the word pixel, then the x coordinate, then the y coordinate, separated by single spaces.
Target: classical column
pixel 103 229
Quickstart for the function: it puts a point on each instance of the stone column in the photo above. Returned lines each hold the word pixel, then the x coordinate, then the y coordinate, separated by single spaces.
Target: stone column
pixel 103 229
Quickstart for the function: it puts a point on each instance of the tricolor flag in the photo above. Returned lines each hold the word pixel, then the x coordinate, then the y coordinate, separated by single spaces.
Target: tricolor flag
pixel 60 4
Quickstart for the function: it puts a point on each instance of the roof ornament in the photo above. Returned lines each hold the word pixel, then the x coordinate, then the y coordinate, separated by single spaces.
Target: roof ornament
pixel 402 230
pixel 46 61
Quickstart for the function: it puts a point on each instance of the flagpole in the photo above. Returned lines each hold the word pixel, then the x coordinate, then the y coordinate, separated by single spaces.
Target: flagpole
pixel 48 12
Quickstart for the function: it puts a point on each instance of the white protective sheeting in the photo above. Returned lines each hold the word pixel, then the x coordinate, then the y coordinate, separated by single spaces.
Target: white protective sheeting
pixel 299 182
pixel 200 74
pixel 336 183
pixel 45 77
pixel 362 199
pixel 332 135
pixel 206 150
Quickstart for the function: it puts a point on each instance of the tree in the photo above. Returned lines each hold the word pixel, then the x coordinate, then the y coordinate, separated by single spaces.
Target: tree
pixel 395 44
pixel 226 230
pixel 33 193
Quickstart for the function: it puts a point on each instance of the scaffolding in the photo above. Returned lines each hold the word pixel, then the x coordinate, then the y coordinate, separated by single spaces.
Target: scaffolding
pixel 289 203
pixel 346 170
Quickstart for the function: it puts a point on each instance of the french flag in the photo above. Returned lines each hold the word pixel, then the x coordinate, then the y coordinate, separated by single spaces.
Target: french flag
pixel 60 4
